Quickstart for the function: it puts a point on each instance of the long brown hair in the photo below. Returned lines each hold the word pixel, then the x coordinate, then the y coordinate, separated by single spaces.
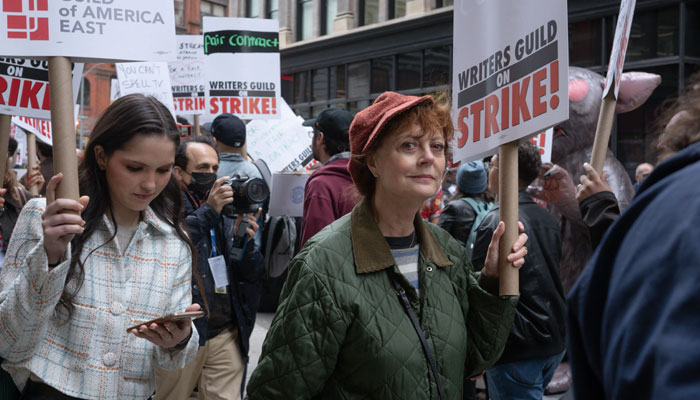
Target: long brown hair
pixel 680 123
pixel 128 117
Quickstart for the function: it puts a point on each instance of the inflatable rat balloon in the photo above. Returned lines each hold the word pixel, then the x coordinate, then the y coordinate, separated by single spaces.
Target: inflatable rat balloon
pixel 572 146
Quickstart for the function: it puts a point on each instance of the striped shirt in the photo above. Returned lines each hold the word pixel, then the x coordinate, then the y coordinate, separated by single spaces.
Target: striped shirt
pixel 405 254
pixel 91 356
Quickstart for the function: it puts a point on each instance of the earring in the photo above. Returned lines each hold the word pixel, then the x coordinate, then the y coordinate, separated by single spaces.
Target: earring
pixel 375 176
pixel 102 167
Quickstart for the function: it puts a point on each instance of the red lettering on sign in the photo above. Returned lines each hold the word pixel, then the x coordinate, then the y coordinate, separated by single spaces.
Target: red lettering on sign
pixel 538 91
pixel 505 110
pixel 476 109
pixel 236 106
pixel 29 93
pixel 490 123
pixel 519 102
pixel 463 126
pixel 213 105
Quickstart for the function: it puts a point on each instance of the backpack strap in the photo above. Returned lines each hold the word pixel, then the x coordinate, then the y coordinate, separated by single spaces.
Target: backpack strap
pixel 481 209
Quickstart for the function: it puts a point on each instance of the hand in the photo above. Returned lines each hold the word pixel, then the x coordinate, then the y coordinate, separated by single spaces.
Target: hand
pixel 556 186
pixel 516 256
pixel 61 221
pixel 220 196
pixel 2 199
pixel 476 378
pixel 252 223
pixel 35 177
pixel 169 333
pixel 591 184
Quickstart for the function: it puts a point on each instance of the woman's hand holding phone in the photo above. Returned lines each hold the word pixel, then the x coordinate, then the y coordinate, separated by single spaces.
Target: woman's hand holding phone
pixel 167 333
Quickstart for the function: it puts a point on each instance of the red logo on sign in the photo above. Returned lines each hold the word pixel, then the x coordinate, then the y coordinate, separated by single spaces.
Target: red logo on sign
pixel 26 19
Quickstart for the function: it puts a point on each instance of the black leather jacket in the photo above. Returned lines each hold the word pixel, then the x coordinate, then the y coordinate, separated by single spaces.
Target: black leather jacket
pixel 539 327
pixel 457 219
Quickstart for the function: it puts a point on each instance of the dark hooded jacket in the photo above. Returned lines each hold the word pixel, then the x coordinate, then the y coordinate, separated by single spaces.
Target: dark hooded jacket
pixel 539 325
pixel 634 314
pixel 327 197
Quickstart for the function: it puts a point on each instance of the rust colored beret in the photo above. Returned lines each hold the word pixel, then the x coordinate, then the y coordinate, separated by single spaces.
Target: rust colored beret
pixel 370 122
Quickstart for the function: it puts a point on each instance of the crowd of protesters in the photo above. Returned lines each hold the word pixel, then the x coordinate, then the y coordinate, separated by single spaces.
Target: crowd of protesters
pixel 392 294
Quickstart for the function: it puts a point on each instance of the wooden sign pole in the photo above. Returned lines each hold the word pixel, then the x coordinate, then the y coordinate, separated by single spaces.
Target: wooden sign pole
pixel 508 199
pixel 602 133
pixel 63 127
pixel 196 131
pixel 31 161
pixel 5 122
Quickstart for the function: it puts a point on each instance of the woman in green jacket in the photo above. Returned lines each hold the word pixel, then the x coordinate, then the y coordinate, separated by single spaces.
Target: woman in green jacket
pixel 345 325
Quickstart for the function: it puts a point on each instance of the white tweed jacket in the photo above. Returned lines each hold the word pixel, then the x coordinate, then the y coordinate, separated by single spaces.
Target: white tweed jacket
pixel 91 356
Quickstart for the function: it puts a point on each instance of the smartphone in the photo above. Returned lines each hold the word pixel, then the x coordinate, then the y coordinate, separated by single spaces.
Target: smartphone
pixel 171 317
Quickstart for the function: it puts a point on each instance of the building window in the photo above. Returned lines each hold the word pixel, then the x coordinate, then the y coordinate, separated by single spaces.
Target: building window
pixel 397 9
pixel 180 13
pixel 84 97
pixel 305 13
pixel 319 84
pixel 301 88
pixel 337 82
pixel 584 43
pixel 251 9
pixel 408 71
pixel 210 9
pixel 273 7
pixel 382 74
pixel 369 12
pixel 436 66
pixel 330 10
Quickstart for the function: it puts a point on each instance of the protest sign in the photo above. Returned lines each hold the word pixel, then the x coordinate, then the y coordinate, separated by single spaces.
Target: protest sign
pixel 612 81
pixel 543 141
pixel 187 75
pixel 283 144
pixel 287 194
pixel 149 78
pixel 40 128
pixel 516 82
pixel 24 87
pixel 242 67
pixel 89 30
pixel 619 50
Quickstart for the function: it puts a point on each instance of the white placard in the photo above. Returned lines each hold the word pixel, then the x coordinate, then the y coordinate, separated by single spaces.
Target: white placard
pixel 543 141
pixel 41 128
pixel 284 143
pixel 149 78
pixel 510 72
pixel 187 76
pixel 24 87
pixel 113 90
pixel 95 30
pixel 287 195
pixel 619 50
pixel 243 67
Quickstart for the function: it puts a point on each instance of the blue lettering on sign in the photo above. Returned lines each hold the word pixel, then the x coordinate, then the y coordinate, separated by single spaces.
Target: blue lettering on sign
pixel 298 194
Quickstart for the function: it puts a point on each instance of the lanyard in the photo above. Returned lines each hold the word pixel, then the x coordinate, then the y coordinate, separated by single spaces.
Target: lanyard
pixel 213 242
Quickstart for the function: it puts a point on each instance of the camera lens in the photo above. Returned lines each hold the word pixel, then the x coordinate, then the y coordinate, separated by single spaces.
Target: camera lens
pixel 256 190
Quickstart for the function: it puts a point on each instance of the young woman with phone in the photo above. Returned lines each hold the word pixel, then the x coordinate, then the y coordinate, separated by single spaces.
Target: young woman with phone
pixel 78 273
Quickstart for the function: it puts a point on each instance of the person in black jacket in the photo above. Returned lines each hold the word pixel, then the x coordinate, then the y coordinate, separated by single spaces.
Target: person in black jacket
pixel 537 339
pixel 231 286
pixel 458 217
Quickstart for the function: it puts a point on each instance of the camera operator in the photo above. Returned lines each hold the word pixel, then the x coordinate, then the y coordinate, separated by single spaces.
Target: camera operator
pixel 219 367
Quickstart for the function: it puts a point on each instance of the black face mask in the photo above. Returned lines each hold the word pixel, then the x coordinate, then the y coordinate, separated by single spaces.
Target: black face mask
pixel 201 183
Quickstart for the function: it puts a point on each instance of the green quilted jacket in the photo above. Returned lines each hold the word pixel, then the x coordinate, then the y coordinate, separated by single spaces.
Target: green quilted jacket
pixel 340 331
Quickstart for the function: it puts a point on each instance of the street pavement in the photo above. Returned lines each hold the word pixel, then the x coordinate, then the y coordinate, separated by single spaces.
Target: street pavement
pixel 262 324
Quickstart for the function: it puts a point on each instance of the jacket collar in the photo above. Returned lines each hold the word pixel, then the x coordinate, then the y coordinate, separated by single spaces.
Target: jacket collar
pixel 230 157
pixel 372 252
pixel 149 218
pixel 523 198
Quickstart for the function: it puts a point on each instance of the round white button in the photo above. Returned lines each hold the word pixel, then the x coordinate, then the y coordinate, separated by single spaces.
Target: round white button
pixel 109 359
pixel 116 308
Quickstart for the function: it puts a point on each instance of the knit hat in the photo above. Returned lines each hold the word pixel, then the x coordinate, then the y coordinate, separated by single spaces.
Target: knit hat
pixel 229 130
pixel 471 177
pixel 370 122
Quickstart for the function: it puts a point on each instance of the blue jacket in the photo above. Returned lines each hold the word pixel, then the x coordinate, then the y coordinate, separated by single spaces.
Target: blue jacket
pixel 244 278
pixel 634 314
